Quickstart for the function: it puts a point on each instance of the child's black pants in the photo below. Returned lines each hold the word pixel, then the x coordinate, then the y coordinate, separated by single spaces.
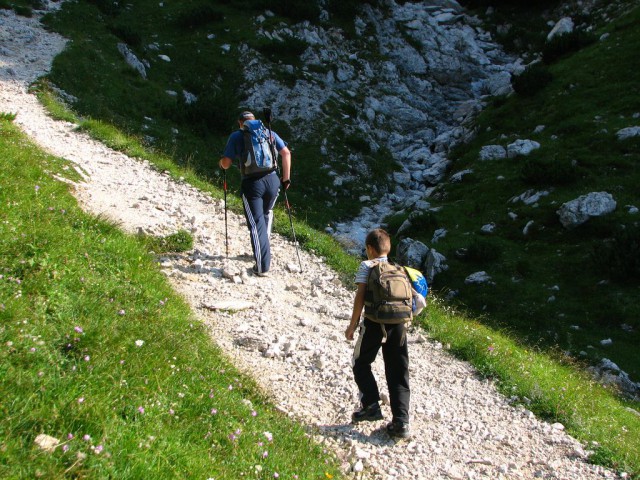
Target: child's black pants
pixel 396 365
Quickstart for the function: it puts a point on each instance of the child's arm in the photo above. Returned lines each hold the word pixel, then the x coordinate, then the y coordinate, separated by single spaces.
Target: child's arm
pixel 358 304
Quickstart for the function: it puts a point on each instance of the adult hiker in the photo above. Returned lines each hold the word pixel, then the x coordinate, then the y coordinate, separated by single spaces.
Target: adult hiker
pixel 256 148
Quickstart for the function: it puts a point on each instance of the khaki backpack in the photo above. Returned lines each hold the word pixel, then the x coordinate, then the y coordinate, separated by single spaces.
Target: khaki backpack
pixel 388 297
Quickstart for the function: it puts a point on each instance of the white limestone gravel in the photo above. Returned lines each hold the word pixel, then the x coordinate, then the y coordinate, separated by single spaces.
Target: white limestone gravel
pixel 286 330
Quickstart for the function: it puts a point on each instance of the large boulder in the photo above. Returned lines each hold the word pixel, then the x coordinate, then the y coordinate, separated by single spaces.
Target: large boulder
pixel 578 211
pixel 412 253
pixel 521 147
pixel 628 132
pixel 132 60
pixel 436 263
pixel 564 25
pixel 493 152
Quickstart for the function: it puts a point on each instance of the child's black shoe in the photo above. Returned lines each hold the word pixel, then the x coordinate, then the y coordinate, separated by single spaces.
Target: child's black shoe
pixel 398 429
pixel 367 414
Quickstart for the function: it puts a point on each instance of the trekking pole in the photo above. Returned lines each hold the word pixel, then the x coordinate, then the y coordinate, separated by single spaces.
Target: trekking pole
pixel 226 233
pixel 267 117
pixel 295 242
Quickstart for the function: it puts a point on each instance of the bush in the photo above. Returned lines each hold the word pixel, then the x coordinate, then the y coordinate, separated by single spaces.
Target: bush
pixel 37 4
pixel 23 11
pixel 619 256
pixel 127 34
pixel 423 220
pixel 356 143
pixel 562 45
pixel 347 9
pixel 287 51
pixel 532 80
pixel 546 172
pixel 213 112
pixel 5 5
pixel 181 241
pixel 522 268
pixel 296 10
pixel 199 15
pixel 107 7
pixel 481 251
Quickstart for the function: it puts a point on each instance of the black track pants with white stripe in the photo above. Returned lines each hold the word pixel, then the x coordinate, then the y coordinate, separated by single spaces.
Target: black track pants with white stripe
pixel 396 366
pixel 258 198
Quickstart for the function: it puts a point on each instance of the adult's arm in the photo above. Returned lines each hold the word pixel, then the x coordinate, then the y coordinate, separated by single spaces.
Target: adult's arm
pixel 285 154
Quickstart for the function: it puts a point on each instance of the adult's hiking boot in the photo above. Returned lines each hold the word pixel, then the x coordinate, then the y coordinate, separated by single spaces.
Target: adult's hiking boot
pixel 367 414
pixel 255 271
pixel 397 429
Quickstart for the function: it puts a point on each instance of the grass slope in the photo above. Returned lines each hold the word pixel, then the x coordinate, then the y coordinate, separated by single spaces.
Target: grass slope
pixel 97 351
pixel 570 288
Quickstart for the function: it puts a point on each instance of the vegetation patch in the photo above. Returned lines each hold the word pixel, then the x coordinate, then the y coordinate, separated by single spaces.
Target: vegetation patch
pixel 566 44
pixel 534 78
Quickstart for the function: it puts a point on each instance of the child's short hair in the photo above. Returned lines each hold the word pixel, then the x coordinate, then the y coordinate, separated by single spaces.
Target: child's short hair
pixel 379 240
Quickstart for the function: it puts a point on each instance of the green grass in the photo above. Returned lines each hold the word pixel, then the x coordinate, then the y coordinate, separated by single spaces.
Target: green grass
pixel 95 343
pixel 555 388
pixel 592 95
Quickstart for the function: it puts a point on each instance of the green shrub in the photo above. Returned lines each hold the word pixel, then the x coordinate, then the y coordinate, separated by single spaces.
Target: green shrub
pixel 481 251
pixel 127 34
pixel 534 78
pixel 181 241
pixel 107 7
pixel 296 10
pixel 522 268
pixel 356 143
pixel 8 117
pixel 213 111
pixel 424 220
pixel 545 172
pixel 619 256
pixel 288 50
pixel 23 11
pixel 565 44
pixel 5 5
pixel 347 9
pixel 392 223
pixel 199 15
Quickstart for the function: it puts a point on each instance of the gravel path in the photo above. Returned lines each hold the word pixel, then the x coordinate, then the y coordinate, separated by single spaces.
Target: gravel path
pixel 289 335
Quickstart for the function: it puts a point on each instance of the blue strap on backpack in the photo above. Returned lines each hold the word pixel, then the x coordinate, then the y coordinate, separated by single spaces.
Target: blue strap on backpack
pixel 258 158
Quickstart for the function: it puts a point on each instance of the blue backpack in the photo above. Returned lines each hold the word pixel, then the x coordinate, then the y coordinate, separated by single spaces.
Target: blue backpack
pixel 258 158
pixel 420 289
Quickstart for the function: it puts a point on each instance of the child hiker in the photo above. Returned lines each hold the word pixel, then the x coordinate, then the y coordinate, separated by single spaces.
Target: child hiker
pixel 376 333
